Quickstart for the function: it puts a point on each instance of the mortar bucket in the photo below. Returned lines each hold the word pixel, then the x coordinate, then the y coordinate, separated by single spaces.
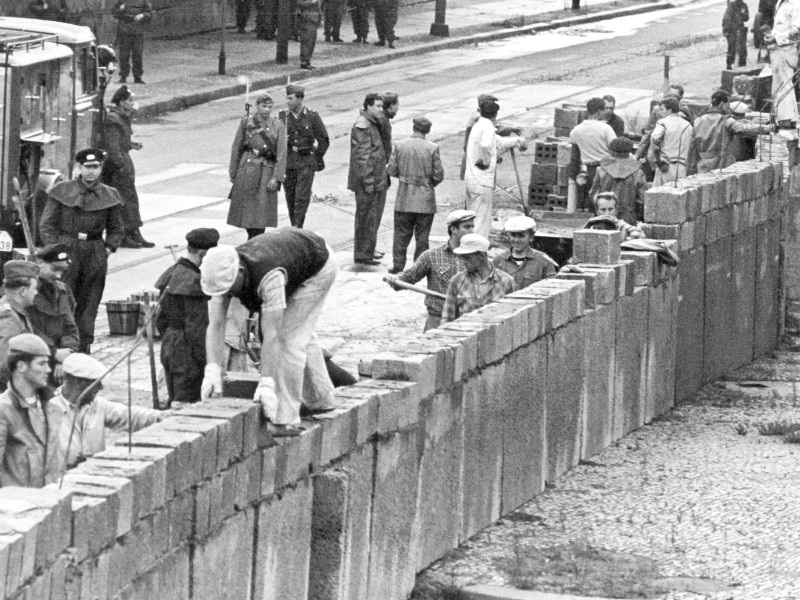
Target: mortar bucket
pixel 123 317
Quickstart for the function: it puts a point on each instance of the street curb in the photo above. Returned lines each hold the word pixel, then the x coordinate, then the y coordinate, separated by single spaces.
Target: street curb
pixel 201 97
pixel 491 592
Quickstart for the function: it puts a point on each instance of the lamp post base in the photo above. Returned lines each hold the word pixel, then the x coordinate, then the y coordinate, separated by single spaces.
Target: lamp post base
pixel 221 64
pixel 440 29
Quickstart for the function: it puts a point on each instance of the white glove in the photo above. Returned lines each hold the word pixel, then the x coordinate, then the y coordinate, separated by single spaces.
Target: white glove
pixel 265 394
pixel 212 382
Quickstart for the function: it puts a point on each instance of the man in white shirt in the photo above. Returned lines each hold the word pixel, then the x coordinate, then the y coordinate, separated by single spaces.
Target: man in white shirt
pixel 591 144
pixel 782 43
pixel 483 147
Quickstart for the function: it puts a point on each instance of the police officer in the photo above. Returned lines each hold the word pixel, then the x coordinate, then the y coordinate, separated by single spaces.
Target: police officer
pixel 77 213
pixel 333 20
pixel 19 285
pixel 183 319
pixel 52 314
pixel 133 16
pixel 307 141
pixel 306 16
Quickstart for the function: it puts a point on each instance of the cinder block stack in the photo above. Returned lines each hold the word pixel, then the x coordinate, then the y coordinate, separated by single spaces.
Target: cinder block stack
pixel 567 117
pixel 548 183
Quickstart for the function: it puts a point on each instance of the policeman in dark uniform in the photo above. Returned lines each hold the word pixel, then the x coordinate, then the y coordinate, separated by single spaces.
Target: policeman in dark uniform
pixel 183 319
pixel 333 20
pixel 52 315
pixel 77 213
pixel 133 17
pixel 307 141
pixel 306 17
pixel 19 290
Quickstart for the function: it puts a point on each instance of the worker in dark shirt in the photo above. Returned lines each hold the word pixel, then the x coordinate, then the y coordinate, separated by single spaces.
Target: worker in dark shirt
pixel 307 141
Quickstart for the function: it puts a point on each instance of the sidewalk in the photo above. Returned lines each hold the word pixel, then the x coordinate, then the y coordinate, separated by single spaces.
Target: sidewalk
pixel 183 72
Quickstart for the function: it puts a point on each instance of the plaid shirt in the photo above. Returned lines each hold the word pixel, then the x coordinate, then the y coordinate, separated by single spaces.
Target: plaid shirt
pixel 439 265
pixel 468 292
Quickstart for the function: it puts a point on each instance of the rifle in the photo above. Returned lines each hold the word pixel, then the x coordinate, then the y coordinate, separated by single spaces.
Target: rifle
pixel 23 217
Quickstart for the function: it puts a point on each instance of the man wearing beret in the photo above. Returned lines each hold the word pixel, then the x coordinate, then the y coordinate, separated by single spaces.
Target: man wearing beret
pixel 439 265
pixel 29 423
pixel 118 169
pixel 52 314
pixel 133 17
pixel 621 174
pixel 416 163
pixel 20 282
pixel 95 413
pixel 285 276
pixel 523 263
pixel 307 142
pixel 183 319
pixel 77 213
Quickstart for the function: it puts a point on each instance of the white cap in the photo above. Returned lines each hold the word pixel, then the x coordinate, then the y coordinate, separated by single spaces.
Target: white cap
pixel 520 223
pixel 457 216
pixel 219 270
pixel 471 243
pixel 83 366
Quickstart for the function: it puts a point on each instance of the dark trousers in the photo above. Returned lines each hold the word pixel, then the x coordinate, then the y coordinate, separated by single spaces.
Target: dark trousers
pixel 254 231
pixel 369 210
pixel 385 19
pixel 333 19
pixel 360 15
pixel 407 224
pixel 130 47
pixel 266 19
pixel 308 36
pixel 297 186
pixel 86 278
pixel 242 13
pixel 184 374
pixel 584 201
pixel 737 45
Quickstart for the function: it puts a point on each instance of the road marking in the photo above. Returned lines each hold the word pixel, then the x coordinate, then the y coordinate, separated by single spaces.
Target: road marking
pixel 179 170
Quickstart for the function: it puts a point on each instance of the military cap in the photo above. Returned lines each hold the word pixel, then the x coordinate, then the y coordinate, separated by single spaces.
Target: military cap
pixel 459 216
pixel 472 243
pixel 83 366
pixel 54 253
pixel 519 223
pixel 20 269
pixel 422 124
pixel 621 144
pixel 121 95
pixel 203 238
pixel 90 156
pixel 218 271
pixel 295 90
pixel 29 344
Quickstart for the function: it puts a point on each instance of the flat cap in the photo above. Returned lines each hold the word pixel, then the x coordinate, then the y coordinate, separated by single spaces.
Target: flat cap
pixel 218 271
pixel 295 90
pixel 422 124
pixel 484 97
pixel 54 253
pixel 29 344
pixel 121 95
pixel 20 269
pixel 203 238
pixel 471 243
pixel 90 156
pixel 83 366
pixel 621 144
pixel 519 223
pixel 459 216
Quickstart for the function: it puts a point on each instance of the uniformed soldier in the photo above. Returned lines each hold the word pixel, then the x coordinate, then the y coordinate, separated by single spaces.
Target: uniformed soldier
pixel 307 141
pixel 523 263
pixel 183 319
pixel 52 315
pixel 385 21
pixel 133 17
pixel 19 285
pixel 333 20
pixel 307 16
pixel 77 213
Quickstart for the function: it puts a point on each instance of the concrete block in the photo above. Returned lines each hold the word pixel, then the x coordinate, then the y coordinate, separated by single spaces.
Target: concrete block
pixel 689 341
pixel 32 526
pixel 660 232
pixel 148 487
pixel 630 361
pixel 240 384
pixel 605 283
pixel 397 402
pixel 709 192
pixel 248 481
pixel 628 281
pixel 408 367
pixel 468 341
pixel 588 279
pixel 185 468
pixel 574 294
pixel 55 531
pixel 296 457
pixel 438 518
pixel 514 318
pixel 593 246
pixel 163 463
pixel 269 457
pixel 490 345
pixel 544 173
pixel 481 473
pixel 244 413
pixel 524 425
pixel 767 287
pixel 283 544
pixel 500 320
pixel 181 519
pixel 391 555
pixel 600 330
pixel 662 324
pixel 666 205
pixel 363 410
pixel 718 309
pixel 544 319
pixel 119 488
pixel 172 576
pixel 645 266
pixel 743 300
pixel 444 355
pixel 12 549
pixel 699 232
pixel 565 373
pixel 222 564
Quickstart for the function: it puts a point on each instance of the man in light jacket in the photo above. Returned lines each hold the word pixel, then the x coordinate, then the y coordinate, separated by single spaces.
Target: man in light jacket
pixel 782 44
pixel 416 163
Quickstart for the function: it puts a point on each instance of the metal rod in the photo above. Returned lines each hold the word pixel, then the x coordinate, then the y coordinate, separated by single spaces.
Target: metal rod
pixel 414 288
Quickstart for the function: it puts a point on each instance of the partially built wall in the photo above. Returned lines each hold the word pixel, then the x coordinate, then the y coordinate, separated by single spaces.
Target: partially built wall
pixel 456 428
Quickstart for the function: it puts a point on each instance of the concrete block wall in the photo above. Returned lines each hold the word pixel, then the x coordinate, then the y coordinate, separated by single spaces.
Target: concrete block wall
pixel 458 427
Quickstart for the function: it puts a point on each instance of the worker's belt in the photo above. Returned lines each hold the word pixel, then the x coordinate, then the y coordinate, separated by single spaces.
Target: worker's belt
pixel 591 164
pixel 301 151
pixel 88 237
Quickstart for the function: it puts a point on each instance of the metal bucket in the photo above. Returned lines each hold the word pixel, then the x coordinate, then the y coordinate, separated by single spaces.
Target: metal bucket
pixel 123 317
